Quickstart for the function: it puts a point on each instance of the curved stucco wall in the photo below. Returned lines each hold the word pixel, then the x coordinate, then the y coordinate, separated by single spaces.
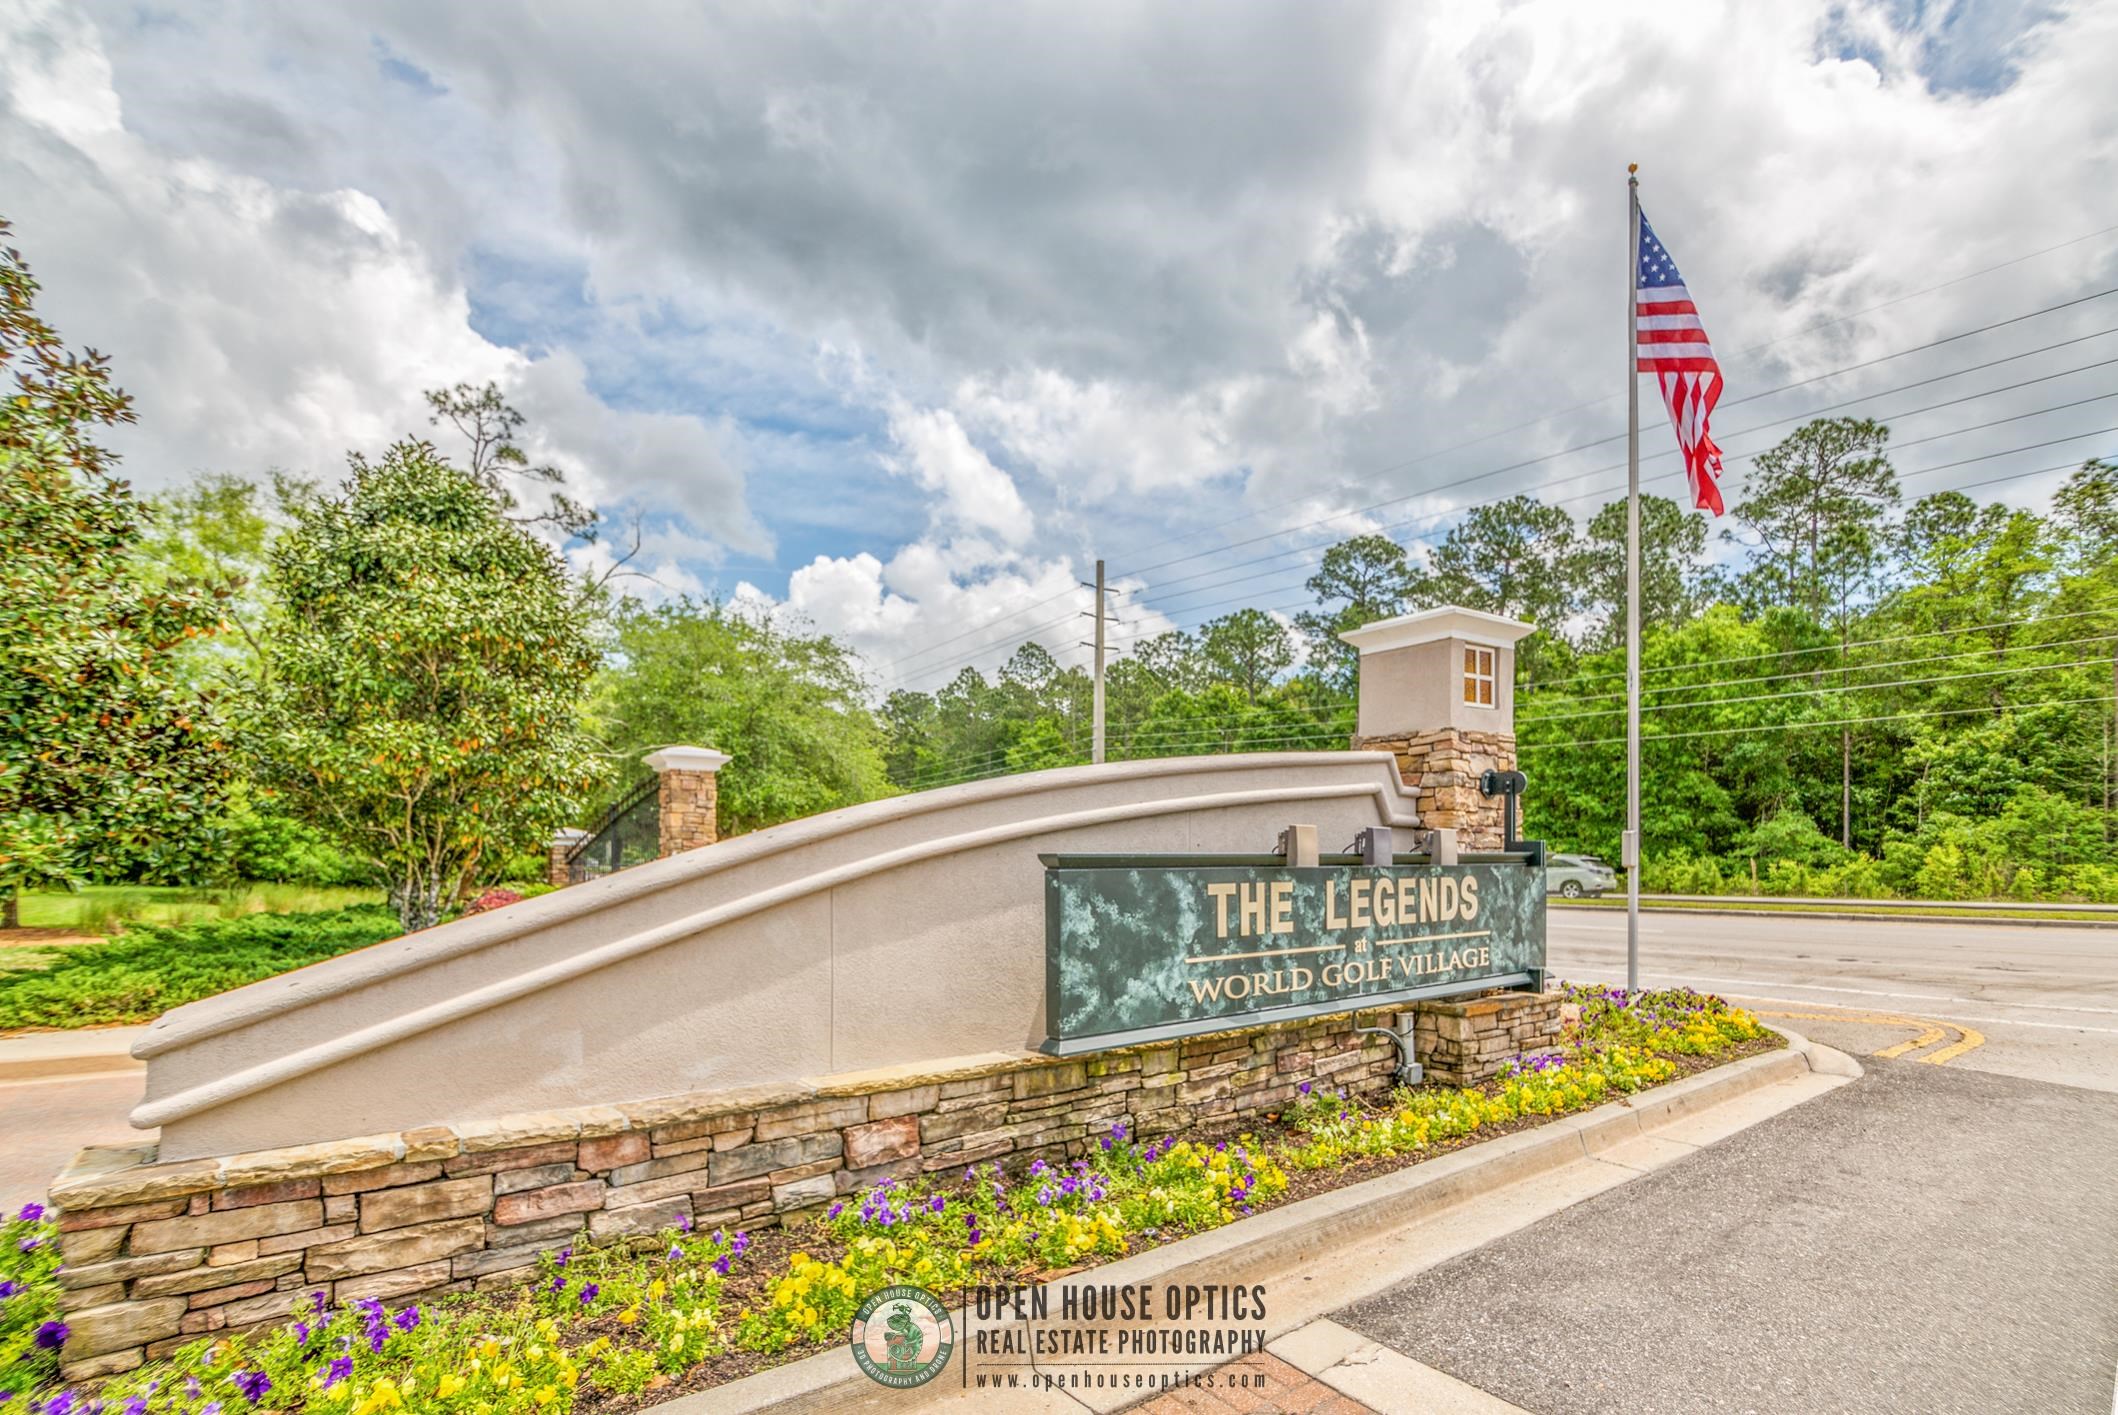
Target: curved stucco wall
pixel 892 933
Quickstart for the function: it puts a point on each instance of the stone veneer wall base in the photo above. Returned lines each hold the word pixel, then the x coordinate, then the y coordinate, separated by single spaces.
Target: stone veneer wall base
pixel 157 1255
pixel 1466 1042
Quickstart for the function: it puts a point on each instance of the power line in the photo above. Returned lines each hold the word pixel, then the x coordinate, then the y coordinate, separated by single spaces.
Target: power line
pixel 1308 550
pixel 1595 402
pixel 1790 694
pixel 1832 648
pixel 1922 471
pixel 1311 550
pixel 1835 668
pixel 1804 726
pixel 1598 442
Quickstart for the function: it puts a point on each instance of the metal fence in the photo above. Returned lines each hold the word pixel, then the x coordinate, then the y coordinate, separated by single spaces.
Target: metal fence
pixel 628 834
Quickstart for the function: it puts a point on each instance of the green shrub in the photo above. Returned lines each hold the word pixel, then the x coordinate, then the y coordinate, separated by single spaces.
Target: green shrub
pixel 153 968
pixel 262 845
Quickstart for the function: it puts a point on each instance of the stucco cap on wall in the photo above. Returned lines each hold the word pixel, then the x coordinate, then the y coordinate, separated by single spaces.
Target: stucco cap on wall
pixel 686 759
pixel 1445 622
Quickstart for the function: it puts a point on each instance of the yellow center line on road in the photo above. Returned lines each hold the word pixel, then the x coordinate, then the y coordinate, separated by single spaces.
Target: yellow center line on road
pixel 1972 1038
pixel 1924 1039
pixel 1929 1032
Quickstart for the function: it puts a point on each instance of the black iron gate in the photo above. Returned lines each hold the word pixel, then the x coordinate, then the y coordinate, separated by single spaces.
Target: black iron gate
pixel 628 834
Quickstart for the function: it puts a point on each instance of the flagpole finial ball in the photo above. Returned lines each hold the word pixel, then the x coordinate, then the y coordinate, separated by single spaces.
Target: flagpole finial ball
pixel 1632 167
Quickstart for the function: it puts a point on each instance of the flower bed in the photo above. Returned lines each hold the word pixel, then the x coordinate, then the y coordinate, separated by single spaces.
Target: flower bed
pixel 612 1328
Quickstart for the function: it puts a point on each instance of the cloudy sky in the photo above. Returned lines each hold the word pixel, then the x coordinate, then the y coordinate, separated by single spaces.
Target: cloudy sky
pixel 901 315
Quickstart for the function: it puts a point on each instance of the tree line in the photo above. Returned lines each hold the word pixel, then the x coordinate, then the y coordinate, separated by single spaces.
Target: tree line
pixel 397 678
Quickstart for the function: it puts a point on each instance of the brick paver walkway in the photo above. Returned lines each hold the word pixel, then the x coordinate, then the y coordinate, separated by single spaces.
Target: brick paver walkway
pixel 1269 1386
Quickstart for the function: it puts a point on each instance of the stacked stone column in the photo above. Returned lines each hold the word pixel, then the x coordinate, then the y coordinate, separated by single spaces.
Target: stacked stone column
pixel 689 797
pixel 1443 767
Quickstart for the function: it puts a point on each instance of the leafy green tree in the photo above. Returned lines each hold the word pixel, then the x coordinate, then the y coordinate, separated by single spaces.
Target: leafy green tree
pixel 1247 650
pixel 424 677
pixel 789 708
pixel 1360 581
pixel 1672 544
pixel 110 761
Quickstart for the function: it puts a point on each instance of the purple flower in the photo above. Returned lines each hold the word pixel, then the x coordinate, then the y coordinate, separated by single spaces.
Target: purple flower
pixel 976 1237
pixel 936 1204
pixel 31 1213
pixel 676 1254
pixel 316 1300
pixel 408 1318
pixel 558 1284
pixel 722 1264
pixel 253 1384
pixel 742 1241
pixel 8 1289
pixel 338 1371
pixel 1305 1088
pixel 52 1335
pixel 684 1223
pixel 836 1209
pixel 60 1404
pixel 301 1333
pixel 30 1245
pixel 566 1255
pixel 588 1293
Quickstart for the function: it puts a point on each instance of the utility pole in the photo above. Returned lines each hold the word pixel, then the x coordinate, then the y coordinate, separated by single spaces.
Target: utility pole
pixel 1630 854
pixel 1096 748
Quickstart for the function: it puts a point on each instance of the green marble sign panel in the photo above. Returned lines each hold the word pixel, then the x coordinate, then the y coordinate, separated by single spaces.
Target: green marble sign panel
pixel 1136 950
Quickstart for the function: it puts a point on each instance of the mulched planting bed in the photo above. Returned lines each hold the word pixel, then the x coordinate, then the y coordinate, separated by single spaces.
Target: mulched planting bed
pixel 624 1327
pixel 749 1287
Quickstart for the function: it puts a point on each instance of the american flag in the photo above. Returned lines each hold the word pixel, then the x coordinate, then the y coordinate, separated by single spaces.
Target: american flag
pixel 1671 345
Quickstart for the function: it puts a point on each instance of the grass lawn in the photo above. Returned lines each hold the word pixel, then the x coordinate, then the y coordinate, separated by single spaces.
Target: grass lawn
pixel 104 908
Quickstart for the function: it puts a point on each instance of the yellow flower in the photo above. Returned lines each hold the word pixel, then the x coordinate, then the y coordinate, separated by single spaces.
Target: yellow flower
pixel 629 1316
pixel 451 1384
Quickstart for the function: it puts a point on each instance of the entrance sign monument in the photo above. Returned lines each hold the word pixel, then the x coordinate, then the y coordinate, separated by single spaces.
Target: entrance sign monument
pixel 1141 949
pixel 742 1032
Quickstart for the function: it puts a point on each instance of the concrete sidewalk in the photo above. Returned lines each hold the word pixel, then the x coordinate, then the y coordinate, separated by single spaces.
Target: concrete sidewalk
pixel 38 1056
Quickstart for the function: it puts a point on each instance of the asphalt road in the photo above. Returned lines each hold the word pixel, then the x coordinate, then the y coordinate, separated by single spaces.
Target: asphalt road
pixel 2039 1003
pixel 44 1124
pixel 1938 1236
pixel 1925 1239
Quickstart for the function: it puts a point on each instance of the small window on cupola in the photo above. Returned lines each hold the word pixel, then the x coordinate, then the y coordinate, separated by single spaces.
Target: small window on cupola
pixel 1478 677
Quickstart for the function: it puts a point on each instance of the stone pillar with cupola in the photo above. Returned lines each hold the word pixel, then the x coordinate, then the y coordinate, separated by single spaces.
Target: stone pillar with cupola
pixel 1437 691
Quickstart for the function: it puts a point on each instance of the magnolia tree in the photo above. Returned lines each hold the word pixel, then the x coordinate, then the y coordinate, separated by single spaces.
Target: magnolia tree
pixel 109 763
pixel 424 679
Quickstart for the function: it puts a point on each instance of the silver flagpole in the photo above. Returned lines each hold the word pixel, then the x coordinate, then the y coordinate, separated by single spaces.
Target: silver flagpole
pixel 1630 852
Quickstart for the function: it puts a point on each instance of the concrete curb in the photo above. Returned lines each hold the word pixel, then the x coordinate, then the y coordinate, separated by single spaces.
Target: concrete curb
pixel 1984 920
pixel 1311 1231
pixel 87 1051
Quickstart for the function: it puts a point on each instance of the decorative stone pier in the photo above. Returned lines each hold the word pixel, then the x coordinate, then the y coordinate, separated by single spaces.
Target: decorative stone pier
pixel 690 796
pixel 1437 691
